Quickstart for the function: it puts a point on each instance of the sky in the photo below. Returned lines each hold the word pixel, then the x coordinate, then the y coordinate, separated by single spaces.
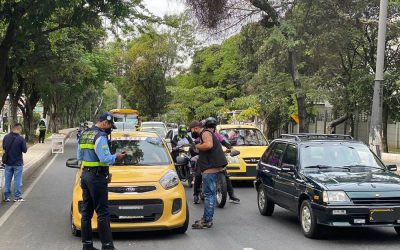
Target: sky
pixel 162 7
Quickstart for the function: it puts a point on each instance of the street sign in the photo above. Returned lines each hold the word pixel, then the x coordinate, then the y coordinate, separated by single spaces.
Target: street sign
pixel 295 118
pixel 57 144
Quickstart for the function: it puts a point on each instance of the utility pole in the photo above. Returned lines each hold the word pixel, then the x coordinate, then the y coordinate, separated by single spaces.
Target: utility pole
pixel 119 102
pixel 375 133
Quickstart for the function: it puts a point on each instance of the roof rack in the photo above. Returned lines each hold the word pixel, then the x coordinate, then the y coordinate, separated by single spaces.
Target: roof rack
pixel 309 137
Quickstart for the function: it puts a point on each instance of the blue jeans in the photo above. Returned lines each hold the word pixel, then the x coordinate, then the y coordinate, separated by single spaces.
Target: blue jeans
pixel 9 172
pixel 210 195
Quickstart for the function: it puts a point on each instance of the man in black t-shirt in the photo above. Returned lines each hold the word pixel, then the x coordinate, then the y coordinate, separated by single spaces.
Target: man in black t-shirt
pixel 211 161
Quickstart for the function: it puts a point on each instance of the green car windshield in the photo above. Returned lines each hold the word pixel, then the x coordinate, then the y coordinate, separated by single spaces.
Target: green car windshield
pixel 338 155
pixel 141 152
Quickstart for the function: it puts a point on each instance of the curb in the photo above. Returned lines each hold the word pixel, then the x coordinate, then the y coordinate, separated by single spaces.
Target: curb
pixel 30 171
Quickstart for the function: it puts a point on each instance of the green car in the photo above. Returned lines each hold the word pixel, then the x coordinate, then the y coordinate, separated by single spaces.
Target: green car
pixel 329 181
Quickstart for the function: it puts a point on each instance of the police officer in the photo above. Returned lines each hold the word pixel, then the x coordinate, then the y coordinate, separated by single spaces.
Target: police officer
pixel 95 155
pixel 42 131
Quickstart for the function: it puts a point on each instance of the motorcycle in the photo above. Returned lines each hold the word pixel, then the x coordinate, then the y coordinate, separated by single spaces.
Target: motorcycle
pixel 222 186
pixel 184 165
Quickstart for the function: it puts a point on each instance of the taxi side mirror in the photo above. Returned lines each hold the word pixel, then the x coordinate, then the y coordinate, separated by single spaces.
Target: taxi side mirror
pixel 72 163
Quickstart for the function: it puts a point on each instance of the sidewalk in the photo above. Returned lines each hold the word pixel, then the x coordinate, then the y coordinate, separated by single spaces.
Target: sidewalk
pixel 37 155
pixel 388 158
pixel 40 152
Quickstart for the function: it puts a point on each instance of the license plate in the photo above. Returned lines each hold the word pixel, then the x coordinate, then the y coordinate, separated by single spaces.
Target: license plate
pixel 384 215
pixel 130 217
pixel 130 207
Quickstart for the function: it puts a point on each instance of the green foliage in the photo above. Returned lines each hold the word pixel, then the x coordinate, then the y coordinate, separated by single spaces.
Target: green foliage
pixel 149 60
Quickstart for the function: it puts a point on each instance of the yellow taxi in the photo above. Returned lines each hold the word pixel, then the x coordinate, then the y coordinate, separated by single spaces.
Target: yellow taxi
pixel 251 143
pixel 145 192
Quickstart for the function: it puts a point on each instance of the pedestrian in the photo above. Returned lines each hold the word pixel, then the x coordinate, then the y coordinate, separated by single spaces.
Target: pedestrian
pixel 211 161
pixel 42 131
pixel 211 124
pixel 94 152
pixel 14 145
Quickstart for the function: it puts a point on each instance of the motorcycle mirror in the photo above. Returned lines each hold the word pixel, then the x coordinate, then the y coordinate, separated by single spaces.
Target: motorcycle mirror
pixel 234 153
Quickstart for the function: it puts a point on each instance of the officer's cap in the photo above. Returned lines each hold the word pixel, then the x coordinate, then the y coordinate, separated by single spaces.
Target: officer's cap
pixel 106 116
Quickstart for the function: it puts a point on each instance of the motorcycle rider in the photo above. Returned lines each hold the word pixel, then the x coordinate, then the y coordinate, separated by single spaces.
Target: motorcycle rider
pixel 182 138
pixel 210 124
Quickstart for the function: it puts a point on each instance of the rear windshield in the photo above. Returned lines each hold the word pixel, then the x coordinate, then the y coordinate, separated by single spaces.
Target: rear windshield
pixel 141 152
pixel 159 130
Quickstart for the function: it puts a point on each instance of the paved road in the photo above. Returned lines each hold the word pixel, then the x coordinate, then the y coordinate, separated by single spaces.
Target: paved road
pixel 42 222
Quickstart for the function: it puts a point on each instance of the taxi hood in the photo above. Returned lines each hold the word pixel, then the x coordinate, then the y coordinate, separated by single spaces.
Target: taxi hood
pixel 134 174
pixel 250 151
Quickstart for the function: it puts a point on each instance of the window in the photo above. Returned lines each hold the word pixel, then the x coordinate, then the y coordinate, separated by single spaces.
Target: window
pixel 267 152
pixel 275 156
pixel 290 156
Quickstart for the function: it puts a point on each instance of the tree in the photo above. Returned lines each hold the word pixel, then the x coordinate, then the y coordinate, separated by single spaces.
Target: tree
pixel 23 21
pixel 150 60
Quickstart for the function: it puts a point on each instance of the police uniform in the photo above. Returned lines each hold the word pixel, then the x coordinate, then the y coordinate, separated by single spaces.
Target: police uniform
pixel 95 155
pixel 42 131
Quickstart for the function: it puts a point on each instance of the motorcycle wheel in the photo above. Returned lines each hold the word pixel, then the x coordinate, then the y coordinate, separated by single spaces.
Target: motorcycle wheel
pixel 190 181
pixel 222 191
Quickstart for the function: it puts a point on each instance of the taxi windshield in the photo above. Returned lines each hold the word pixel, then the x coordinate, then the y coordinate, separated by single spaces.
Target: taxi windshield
pixel 244 137
pixel 126 118
pixel 141 152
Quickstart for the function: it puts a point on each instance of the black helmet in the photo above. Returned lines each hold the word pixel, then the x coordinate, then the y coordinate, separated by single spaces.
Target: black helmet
pixel 210 122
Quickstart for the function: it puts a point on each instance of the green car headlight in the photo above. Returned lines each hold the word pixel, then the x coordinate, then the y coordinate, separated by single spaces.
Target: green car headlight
pixel 335 196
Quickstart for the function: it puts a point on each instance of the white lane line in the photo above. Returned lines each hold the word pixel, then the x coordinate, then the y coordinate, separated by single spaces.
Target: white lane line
pixel 11 210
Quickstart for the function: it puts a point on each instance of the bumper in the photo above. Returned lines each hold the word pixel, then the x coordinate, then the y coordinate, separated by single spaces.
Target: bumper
pixel 242 172
pixel 357 216
pixel 157 210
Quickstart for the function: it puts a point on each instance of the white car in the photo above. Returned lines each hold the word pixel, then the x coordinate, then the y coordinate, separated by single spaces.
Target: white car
pixel 158 127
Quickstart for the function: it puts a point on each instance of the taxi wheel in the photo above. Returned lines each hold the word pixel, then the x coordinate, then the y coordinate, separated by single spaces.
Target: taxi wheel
pixel 74 230
pixel 308 221
pixel 183 229
pixel 265 205
pixel 397 230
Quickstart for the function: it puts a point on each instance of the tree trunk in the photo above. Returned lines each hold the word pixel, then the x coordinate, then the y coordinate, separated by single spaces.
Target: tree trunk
pixel 385 118
pixel 14 109
pixel 332 125
pixel 5 76
pixel 300 96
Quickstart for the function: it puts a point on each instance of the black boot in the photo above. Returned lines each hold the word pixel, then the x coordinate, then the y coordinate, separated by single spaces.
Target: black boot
pixel 87 235
pixel 105 235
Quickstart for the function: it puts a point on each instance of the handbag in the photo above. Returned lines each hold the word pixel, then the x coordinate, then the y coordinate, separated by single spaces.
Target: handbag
pixel 4 158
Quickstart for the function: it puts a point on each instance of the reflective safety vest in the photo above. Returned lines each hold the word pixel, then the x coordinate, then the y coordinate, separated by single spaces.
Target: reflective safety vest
pixel 42 127
pixel 87 145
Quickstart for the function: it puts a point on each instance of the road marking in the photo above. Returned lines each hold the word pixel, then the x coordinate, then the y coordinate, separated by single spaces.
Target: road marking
pixel 247 248
pixel 11 210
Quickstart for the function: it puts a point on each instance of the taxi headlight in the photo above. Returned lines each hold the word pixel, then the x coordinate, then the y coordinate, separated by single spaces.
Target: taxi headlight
pixel 335 196
pixel 232 159
pixel 169 180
